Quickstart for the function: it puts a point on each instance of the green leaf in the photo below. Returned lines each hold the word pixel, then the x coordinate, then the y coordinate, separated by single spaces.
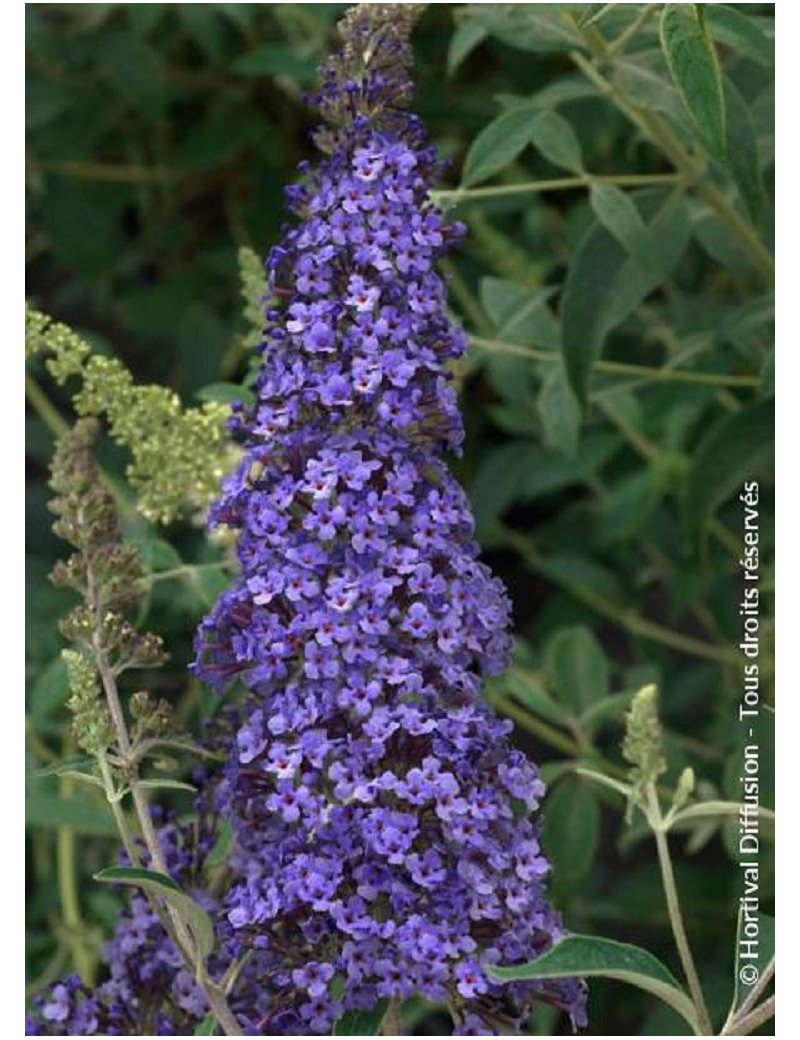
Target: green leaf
pixel 618 214
pixel 742 155
pixel 80 815
pixel 83 225
pixel 136 70
pixel 202 24
pixel 604 286
pixel 626 508
pixel 646 86
pixel 553 136
pixel 499 480
pixel 207 1027
pixel 739 448
pixel 226 393
pixel 741 33
pixel 591 956
pixel 166 784
pixel 463 42
pixel 361 1023
pixel 551 471
pixel 193 915
pixel 559 411
pixel 498 144
pixel 605 781
pixel 157 554
pixel 716 809
pixel 570 832
pixel 580 572
pixel 59 768
pixel 519 314
pixel 694 67
pixel 578 668
pixel 667 236
pixel 144 17
pixel 84 778
pixel 222 846
pixel 275 59
pixel 239 15
pixel 541 28
pixel 612 707
pixel 528 690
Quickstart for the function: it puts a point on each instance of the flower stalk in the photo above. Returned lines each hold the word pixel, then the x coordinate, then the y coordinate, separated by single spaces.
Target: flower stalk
pixel 107 575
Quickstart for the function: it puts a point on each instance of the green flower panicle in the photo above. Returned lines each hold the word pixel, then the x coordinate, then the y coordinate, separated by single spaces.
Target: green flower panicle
pixel 179 455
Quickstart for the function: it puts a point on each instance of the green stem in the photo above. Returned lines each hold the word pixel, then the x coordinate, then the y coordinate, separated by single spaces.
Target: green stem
pixel 543 730
pixel 643 445
pixel 119 815
pixel 561 742
pixel 626 618
pixel 622 180
pixel 623 368
pixel 40 403
pixel 619 45
pixel 175 925
pixel 674 910
pixel 747 1005
pixel 112 173
pixel 725 537
pixel 392 1024
pixel 68 895
pixel 186 570
pixel 743 1025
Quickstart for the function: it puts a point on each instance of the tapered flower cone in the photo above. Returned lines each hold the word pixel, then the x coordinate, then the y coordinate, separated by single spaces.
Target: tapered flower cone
pixel 384 844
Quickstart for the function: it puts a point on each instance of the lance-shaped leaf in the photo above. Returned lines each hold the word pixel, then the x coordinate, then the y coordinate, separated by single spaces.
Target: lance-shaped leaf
pixel 195 917
pixel 694 67
pixel 589 955
pixel 738 448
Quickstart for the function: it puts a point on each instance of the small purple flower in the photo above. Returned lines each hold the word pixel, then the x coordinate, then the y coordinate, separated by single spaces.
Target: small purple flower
pixel 313 977
pixel 471 980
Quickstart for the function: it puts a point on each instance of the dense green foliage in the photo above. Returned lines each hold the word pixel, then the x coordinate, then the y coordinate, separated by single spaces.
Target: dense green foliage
pixel 614 165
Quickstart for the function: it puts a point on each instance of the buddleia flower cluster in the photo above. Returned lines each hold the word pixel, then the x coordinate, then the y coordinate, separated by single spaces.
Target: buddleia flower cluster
pixel 382 840
pixel 384 846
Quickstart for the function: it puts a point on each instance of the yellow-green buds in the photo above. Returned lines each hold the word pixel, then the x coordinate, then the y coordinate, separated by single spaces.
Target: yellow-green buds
pixel 643 746
pixel 90 719
pixel 179 454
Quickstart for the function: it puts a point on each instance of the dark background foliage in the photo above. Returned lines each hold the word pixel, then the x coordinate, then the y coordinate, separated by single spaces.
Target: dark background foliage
pixel 159 139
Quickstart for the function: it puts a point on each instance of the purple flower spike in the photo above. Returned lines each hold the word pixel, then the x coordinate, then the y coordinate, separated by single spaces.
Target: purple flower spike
pixel 382 846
